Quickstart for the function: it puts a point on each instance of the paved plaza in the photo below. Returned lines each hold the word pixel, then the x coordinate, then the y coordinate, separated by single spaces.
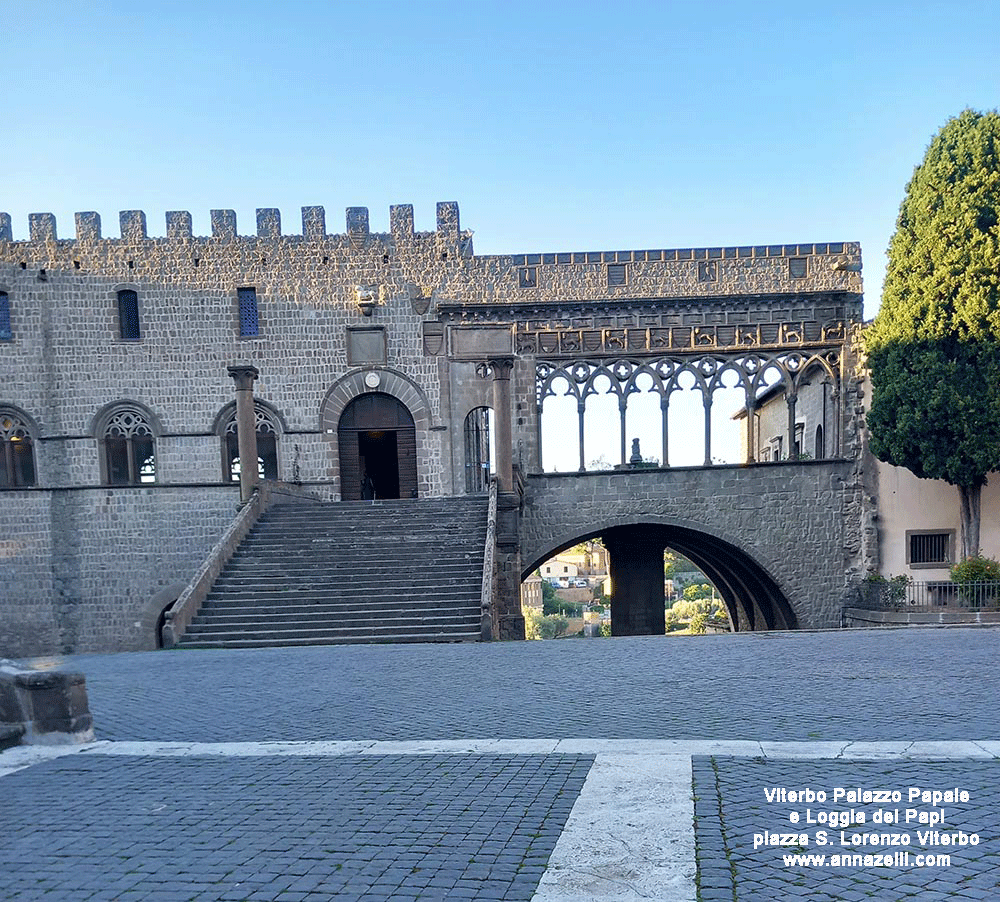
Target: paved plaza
pixel 591 770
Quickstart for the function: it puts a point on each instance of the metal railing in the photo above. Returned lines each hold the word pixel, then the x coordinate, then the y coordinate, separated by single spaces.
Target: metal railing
pixel 902 595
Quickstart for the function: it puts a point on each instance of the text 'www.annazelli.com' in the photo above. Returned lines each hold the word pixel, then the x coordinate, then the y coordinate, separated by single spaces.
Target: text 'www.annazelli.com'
pixel 896 860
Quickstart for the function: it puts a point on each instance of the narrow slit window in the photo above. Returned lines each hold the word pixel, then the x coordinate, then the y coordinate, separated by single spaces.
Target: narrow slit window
pixel 128 315
pixel 5 332
pixel 249 321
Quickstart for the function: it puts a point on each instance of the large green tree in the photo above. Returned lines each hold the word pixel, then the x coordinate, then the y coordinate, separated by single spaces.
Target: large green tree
pixel 934 348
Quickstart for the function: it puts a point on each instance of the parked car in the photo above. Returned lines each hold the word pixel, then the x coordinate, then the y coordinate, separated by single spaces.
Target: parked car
pixel 581 583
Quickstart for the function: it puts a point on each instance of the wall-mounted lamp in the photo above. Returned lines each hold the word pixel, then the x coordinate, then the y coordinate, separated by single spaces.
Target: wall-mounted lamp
pixel 367 298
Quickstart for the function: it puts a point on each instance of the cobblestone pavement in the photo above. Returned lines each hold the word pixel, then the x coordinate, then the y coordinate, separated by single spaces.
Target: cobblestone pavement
pixel 559 769
pixel 875 685
pixel 289 828
pixel 855 857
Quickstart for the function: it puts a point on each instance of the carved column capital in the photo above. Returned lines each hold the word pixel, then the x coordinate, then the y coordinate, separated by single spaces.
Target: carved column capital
pixel 501 367
pixel 244 374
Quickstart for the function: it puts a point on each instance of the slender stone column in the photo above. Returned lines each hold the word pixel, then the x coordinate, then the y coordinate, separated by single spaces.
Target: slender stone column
pixel 751 430
pixel 791 398
pixel 622 409
pixel 246 427
pixel 581 407
pixel 665 423
pixel 706 399
pixel 502 367
pixel 635 561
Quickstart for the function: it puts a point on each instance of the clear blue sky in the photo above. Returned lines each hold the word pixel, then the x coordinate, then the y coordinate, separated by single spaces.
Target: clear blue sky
pixel 556 126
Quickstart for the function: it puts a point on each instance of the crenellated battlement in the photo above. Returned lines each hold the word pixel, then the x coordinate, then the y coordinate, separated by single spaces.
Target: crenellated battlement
pixel 42 227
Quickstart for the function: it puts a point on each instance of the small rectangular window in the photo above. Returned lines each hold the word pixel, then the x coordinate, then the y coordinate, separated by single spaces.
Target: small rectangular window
pixel 5 333
pixel 928 548
pixel 128 315
pixel 616 274
pixel 249 321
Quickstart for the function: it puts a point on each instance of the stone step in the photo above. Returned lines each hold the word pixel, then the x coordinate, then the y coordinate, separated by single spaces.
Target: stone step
pixel 393 571
pixel 323 580
pixel 216 613
pixel 320 633
pixel 267 642
pixel 263 601
pixel 279 622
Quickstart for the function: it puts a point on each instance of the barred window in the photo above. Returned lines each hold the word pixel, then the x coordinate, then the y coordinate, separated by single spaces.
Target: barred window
pixel 129 448
pixel 5 332
pixel 128 315
pixel 267 447
pixel 929 548
pixel 249 321
pixel 17 455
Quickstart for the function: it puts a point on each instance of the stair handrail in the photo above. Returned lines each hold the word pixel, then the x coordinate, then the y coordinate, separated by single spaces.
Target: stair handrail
pixel 489 613
pixel 177 618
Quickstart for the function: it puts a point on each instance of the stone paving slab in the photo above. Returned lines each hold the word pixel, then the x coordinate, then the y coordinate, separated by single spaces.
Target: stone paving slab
pixel 88 827
pixel 849 685
pixel 639 708
pixel 750 848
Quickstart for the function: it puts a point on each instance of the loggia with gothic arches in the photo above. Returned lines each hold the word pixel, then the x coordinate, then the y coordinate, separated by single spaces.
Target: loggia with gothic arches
pixel 136 371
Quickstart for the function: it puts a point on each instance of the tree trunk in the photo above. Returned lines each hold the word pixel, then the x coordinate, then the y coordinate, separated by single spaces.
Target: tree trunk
pixel 970 496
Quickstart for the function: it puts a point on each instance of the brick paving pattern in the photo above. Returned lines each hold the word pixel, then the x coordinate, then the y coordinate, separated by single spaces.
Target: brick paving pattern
pixel 289 829
pixel 730 807
pixel 782 685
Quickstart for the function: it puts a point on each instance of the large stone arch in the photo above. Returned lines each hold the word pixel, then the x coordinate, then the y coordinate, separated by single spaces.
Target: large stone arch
pixel 751 593
pixel 777 536
pixel 389 382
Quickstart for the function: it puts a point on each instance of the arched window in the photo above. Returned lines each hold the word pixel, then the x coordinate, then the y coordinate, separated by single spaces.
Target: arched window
pixel 478 449
pixel 820 448
pixel 17 453
pixel 267 445
pixel 128 445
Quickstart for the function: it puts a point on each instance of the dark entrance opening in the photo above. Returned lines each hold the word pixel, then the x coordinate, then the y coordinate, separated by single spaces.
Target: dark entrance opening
pixel 379 464
pixel 378 449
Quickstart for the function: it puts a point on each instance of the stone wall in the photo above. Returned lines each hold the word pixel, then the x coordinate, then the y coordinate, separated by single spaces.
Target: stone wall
pixel 89 567
pixel 788 518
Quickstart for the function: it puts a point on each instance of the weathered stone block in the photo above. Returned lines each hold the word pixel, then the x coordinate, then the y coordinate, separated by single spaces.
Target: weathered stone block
pixel 268 222
pixel 51 706
pixel 133 225
pixel 314 222
pixel 88 226
pixel 224 224
pixel 42 226
pixel 179 224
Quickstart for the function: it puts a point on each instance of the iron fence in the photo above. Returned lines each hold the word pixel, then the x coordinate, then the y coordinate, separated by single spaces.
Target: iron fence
pixel 902 595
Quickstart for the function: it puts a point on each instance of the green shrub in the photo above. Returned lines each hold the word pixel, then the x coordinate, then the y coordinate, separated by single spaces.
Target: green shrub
pixel 976 570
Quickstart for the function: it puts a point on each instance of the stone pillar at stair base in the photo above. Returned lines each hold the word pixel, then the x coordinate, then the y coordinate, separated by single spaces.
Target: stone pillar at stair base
pixel 246 428
pixel 502 367
pixel 636 565
pixel 508 566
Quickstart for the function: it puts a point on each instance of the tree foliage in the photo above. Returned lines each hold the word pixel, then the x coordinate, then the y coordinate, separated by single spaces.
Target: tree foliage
pixel 934 348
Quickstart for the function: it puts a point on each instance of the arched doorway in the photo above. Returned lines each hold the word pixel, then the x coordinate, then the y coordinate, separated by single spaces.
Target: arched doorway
pixel 479 463
pixel 378 449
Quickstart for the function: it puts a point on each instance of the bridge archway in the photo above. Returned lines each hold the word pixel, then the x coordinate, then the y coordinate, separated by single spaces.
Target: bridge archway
pixel 751 595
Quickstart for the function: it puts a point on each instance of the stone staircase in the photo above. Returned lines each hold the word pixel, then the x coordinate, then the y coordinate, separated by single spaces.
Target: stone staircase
pixel 352 571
